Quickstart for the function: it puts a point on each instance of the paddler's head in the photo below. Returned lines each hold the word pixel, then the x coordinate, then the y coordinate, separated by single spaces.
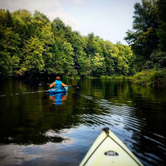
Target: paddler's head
pixel 58 78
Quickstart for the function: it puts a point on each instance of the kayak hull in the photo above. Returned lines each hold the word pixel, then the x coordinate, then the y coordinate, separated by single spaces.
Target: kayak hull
pixel 54 90
pixel 109 150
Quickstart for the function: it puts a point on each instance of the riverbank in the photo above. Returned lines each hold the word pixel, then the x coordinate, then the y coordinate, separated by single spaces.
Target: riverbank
pixel 154 78
pixel 150 78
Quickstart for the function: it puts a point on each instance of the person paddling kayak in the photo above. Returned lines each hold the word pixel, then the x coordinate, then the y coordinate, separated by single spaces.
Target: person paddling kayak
pixel 58 83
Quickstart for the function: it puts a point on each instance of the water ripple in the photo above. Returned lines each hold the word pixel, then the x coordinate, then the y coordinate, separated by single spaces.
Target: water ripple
pixel 131 126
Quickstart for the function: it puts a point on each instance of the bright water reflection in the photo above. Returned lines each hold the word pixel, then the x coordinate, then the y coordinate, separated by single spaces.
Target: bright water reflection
pixel 35 131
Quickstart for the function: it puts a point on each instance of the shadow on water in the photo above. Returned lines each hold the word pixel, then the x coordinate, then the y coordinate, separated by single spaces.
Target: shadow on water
pixel 36 131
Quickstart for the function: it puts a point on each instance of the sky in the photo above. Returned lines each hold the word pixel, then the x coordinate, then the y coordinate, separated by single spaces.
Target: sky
pixel 108 19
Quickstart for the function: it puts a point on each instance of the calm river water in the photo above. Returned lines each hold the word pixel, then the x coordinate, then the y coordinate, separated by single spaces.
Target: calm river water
pixel 38 129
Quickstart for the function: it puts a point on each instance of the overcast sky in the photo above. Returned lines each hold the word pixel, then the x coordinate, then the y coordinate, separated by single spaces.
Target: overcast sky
pixel 108 19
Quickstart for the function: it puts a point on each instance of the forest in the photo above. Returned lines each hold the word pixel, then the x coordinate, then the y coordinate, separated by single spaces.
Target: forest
pixel 31 45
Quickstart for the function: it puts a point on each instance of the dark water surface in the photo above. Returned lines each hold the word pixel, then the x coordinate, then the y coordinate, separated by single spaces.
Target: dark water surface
pixel 36 131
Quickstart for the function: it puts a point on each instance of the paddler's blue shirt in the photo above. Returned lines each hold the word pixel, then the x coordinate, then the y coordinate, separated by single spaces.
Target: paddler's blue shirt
pixel 58 84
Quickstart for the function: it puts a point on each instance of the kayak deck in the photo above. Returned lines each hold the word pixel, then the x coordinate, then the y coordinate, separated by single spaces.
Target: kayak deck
pixel 109 150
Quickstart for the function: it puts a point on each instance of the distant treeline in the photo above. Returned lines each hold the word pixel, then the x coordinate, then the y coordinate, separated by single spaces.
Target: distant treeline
pixel 32 44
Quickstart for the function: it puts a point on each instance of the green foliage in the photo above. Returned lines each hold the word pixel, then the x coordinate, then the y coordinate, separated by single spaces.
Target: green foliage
pixel 151 77
pixel 32 60
pixel 148 42
pixel 161 31
pixel 143 39
pixel 31 44
pixel 21 23
pixel 158 60
pixel 9 52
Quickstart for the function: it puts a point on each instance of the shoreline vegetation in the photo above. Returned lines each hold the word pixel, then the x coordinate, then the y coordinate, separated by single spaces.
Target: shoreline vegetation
pixel 153 78
pixel 33 46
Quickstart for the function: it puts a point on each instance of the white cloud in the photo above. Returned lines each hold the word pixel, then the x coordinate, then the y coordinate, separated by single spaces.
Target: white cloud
pixel 78 2
pixel 51 8
pixel 31 5
pixel 65 17
pixel 72 2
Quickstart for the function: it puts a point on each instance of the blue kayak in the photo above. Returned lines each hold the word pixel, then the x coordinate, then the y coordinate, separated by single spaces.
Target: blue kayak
pixel 55 90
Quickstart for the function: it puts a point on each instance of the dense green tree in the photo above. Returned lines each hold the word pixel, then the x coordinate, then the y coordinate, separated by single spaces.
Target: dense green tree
pixel 97 67
pixel 81 62
pixel 47 39
pixel 22 24
pixel 109 58
pixel 124 59
pixel 161 31
pixel 63 52
pixel 94 52
pixel 67 56
pixel 143 39
pixel 9 51
pixel 32 60
pixel 62 61
pixel 158 60
pixel 5 18
pixel 148 42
